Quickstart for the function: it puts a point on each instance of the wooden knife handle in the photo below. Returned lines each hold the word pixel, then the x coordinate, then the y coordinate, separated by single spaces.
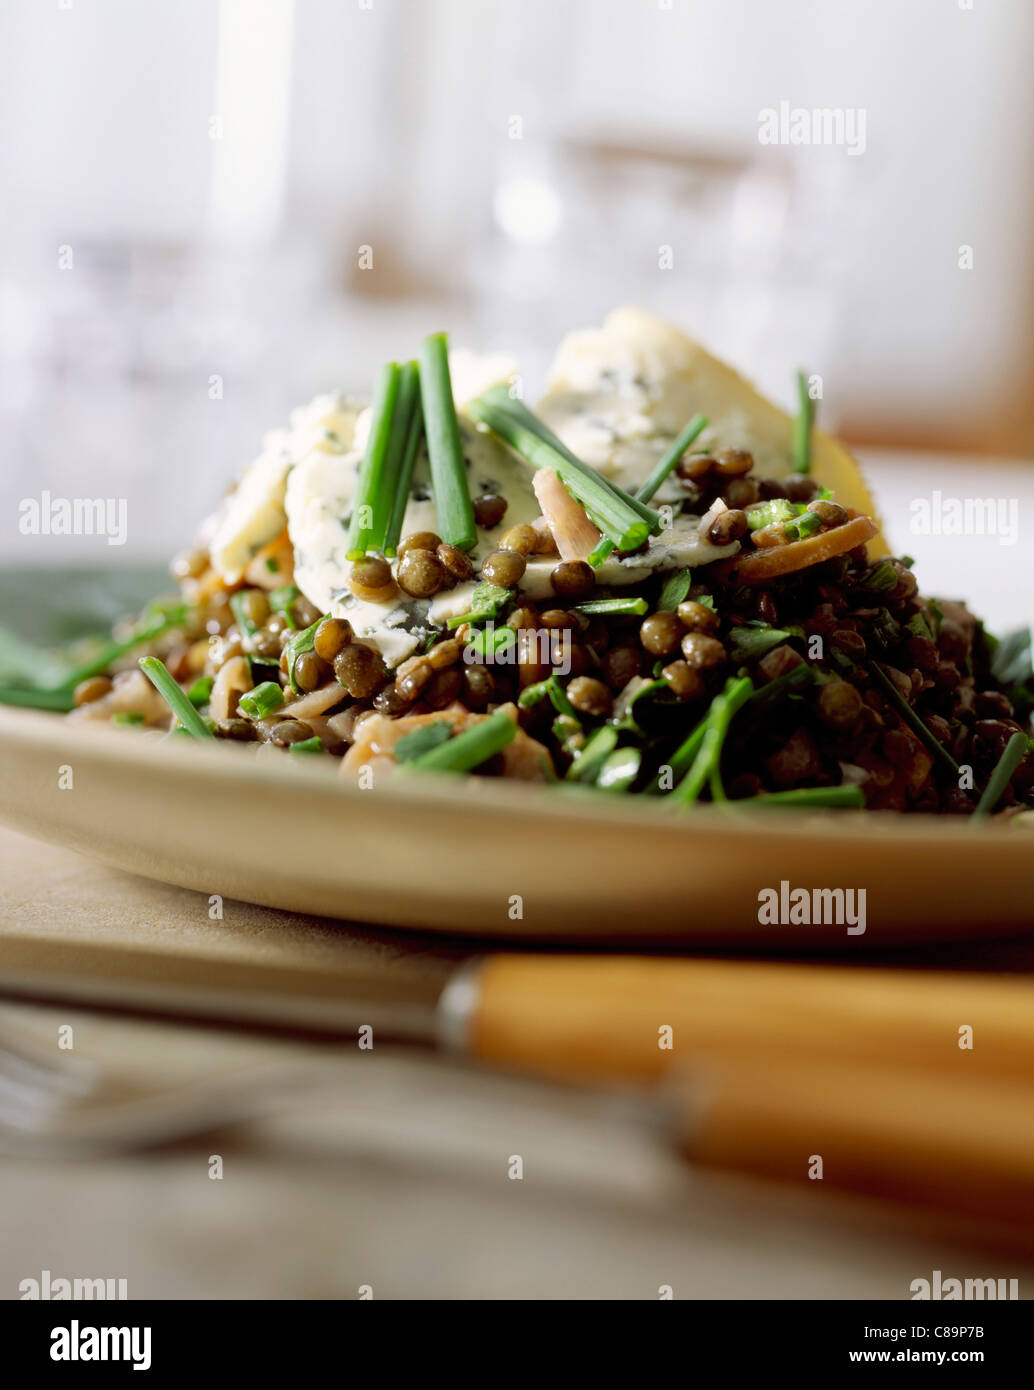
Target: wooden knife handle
pixel 962 1146
pixel 615 1018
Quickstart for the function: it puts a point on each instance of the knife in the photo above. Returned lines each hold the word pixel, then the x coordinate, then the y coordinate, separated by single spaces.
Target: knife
pixel 910 1085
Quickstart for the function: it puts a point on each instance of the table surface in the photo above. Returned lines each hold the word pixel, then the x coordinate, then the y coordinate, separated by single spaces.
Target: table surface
pixel 399 1178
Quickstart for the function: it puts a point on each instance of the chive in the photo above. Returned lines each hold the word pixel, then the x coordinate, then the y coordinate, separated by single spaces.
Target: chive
pixel 664 466
pixel 280 601
pixel 398 440
pixel 307 745
pixel 367 526
pixel 453 507
pixel 635 607
pixel 261 701
pixel 471 748
pixel 807 524
pixel 778 509
pixel 201 691
pixel 127 719
pixel 706 764
pixel 611 511
pixel 794 679
pixel 1013 755
pixel 598 747
pixel 933 744
pixel 237 608
pixel 158 674
pixel 427 736
pixel 500 397
pixel 491 639
pixel 404 481
pixel 619 770
pixel 37 699
pixel 808 796
pixel 164 617
pixel 880 578
pixel 802 427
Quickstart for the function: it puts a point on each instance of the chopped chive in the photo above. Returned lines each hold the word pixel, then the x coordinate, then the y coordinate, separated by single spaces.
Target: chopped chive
pixel 778 509
pixel 280 601
pixel 807 796
pixel 660 471
pixel 470 748
pixel 932 743
pixel 598 747
pixel 61 700
pixel 619 770
pixel 802 426
pixel 427 736
pixel 163 617
pixel 635 607
pixel 390 479
pixel 794 679
pixel 491 640
pixel 160 677
pixel 201 691
pixel 404 481
pixel 706 764
pixel 261 701
pixel 367 525
pixel 1013 754
pixel 245 623
pixel 487 601
pixel 616 514
pixel 127 719
pixel 500 396
pixel 453 507
pixel 307 745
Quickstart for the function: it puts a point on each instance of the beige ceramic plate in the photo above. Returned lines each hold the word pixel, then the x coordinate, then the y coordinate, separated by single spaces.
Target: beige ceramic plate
pixel 487 858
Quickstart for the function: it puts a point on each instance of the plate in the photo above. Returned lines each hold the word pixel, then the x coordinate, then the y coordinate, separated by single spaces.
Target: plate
pixel 493 859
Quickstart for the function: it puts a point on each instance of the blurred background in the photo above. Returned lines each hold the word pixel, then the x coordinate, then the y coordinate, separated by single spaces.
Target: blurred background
pixel 214 209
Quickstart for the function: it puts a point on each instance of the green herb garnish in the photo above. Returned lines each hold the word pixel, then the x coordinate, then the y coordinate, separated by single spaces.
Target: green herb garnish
pixel 368 524
pixel 127 719
pixel 1014 753
pixel 201 691
pixel 453 507
pixel 262 701
pixel 613 607
pixel 303 641
pixel 469 749
pixel 160 677
pixel 422 740
pixel 674 590
pixel 404 481
pixel 615 513
pixel 911 718
pixel 802 426
pixel 661 470
pixel 306 745
pixel 768 513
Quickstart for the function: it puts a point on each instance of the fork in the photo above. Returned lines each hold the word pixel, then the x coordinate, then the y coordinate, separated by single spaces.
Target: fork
pixel 75 1108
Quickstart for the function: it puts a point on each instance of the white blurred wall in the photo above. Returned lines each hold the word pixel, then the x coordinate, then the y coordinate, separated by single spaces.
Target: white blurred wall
pixel 230 249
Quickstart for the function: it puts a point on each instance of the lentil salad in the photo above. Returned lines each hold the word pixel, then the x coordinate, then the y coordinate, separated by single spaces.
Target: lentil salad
pixel 662 600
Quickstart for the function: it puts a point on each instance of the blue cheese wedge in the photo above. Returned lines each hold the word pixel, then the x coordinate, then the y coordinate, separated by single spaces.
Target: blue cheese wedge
pixel 254 514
